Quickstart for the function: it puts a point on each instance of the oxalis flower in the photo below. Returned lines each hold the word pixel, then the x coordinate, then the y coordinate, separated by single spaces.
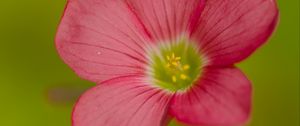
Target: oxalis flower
pixel 159 59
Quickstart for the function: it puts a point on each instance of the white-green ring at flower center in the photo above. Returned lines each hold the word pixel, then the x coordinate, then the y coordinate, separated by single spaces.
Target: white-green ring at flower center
pixel 175 66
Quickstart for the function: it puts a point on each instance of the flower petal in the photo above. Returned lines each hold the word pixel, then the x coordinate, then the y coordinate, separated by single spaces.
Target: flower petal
pixel 221 97
pixel 166 20
pixel 101 39
pixel 124 101
pixel 230 30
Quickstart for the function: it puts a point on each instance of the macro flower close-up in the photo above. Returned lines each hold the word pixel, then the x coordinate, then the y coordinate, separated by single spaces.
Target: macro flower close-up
pixel 158 60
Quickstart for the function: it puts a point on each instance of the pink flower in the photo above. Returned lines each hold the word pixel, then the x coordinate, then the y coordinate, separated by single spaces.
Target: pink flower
pixel 161 59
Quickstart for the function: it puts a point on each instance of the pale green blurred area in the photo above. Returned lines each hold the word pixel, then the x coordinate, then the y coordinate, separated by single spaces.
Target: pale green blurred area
pixel 30 66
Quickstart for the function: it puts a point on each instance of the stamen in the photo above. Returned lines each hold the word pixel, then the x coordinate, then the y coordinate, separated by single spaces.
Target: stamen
pixel 168 65
pixel 168 58
pixel 175 63
pixel 173 68
pixel 178 58
pixel 183 76
pixel 174 79
pixel 186 67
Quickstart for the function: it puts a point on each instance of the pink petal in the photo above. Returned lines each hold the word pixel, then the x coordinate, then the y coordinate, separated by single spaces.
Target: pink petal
pixel 166 20
pixel 221 97
pixel 230 30
pixel 124 101
pixel 101 39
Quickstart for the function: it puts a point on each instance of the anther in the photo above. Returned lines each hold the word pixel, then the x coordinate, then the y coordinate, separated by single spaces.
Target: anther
pixel 174 79
pixel 168 58
pixel 183 76
pixel 175 63
pixel 186 67
pixel 173 55
pixel 178 58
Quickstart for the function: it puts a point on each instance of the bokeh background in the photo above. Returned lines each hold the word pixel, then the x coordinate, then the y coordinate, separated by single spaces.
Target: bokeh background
pixel 38 89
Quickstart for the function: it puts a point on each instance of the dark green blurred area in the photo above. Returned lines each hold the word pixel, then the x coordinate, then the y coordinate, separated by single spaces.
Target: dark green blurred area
pixel 31 71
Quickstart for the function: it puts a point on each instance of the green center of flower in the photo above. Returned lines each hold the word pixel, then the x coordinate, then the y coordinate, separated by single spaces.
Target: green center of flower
pixel 175 66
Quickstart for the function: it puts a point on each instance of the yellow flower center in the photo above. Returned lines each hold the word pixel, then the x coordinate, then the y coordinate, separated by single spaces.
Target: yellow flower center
pixel 175 66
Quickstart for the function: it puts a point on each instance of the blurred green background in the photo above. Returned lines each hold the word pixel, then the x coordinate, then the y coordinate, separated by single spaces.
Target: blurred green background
pixel 32 76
